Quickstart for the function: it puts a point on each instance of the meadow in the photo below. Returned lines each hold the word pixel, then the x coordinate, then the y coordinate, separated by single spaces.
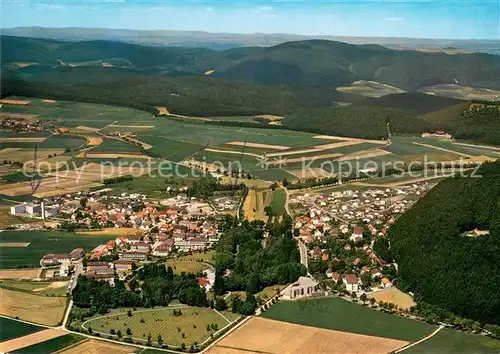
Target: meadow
pixel 41 243
pixel 187 266
pixel 188 328
pixel 203 257
pixel 13 329
pixel 278 202
pixel 450 341
pixel 342 315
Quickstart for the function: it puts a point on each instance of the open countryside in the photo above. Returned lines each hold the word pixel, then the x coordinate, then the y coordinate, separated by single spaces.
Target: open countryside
pixel 166 191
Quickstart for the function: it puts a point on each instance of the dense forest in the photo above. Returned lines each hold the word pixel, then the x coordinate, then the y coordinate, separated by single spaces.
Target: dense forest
pixel 187 95
pixel 355 121
pixel 243 264
pixel 313 63
pixel 407 114
pixel 438 260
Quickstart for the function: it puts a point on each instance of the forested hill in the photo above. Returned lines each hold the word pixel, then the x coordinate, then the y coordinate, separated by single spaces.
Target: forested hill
pixel 319 63
pixel 440 263
pixel 408 113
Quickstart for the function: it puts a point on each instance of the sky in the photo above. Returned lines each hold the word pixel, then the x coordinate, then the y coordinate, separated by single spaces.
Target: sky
pixel 445 19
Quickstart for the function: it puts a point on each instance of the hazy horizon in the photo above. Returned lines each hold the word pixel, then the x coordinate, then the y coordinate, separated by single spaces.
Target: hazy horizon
pixel 420 19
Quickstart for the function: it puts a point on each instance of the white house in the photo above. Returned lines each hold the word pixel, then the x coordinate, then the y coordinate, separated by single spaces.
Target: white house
pixel 303 287
pixel 351 282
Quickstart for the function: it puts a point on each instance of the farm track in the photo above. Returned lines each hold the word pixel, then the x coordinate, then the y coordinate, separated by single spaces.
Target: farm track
pixel 421 340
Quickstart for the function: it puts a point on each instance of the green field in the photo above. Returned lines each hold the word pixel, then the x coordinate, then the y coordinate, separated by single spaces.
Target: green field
pixel 192 323
pixel 187 266
pixel 342 315
pixel 30 286
pixel 10 329
pixel 42 242
pixel 77 113
pixel 62 142
pixel 170 148
pixel 116 146
pixel 450 341
pixel 278 202
pixel 52 345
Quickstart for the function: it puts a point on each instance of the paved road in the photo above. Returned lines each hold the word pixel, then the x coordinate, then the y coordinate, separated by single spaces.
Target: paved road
pixel 302 247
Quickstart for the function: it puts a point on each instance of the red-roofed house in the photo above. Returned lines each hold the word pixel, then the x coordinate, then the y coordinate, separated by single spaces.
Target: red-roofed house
pixel 351 282
pixel 77 253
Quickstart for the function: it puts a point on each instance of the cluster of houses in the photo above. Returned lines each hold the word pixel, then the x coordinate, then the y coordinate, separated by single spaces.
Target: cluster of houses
pixel 62 264
pixel 178 224
pixel 347 213
pixel 358 218
pixel 439 134
pixel 8 121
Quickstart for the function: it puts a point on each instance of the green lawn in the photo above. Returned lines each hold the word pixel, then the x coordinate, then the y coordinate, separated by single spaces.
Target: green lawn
pixel 278 202
pixel 52 345
pixel 450 341
pixel 187 266
pixel 10 329
pixel 42 242
pixel 192 324
pixel 342 315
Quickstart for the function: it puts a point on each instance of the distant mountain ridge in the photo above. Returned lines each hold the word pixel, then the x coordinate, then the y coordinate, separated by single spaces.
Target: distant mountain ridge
pixel 221 41
pixel 318 63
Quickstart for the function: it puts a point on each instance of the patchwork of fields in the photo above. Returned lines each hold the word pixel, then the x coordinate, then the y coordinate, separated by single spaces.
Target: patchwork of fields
pixel 25 338
pixel 277 337
pixel 268 154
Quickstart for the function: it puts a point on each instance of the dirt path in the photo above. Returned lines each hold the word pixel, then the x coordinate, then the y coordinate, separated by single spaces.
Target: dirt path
pixel 420 341
pixel 443 149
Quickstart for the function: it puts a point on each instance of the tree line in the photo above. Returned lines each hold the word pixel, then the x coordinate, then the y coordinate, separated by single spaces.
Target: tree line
pixel 439 260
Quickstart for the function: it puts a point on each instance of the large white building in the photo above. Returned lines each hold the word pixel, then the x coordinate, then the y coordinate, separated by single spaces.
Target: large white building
pixel 303 287
pixel 33 209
